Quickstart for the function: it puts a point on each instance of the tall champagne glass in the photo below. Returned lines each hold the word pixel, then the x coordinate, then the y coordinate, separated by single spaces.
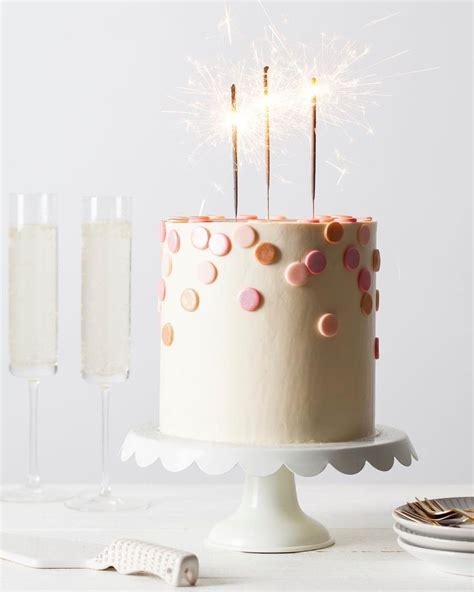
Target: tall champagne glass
pixel 105 312
pixel 33 314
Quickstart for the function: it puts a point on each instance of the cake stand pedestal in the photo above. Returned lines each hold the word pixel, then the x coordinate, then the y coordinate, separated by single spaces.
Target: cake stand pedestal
pixel 269 518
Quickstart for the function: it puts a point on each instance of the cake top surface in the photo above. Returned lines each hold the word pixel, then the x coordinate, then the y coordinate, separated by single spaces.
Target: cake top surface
pixel 321 219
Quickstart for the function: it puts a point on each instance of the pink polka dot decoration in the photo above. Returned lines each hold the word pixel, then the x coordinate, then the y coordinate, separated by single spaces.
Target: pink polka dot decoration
pixel 245 236
pixel 377 299
pixel 376 260
pixel 250 299
pixel 296 274
pixel 200 237
pixel 364 280
pixel 162 231
pixel 166 264
pixel 173 241
pixel 206 272
pixel 167 334
pixel 189 299
pixel 351 258
pixel 363 234
pixel 247 217
pixel 315 261
pixel 199 219
pixel 376 348
pixel 220 244
pixel 162 290
pixel 328 325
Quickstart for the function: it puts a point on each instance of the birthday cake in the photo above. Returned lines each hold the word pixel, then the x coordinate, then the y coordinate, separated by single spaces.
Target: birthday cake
pixel 268 329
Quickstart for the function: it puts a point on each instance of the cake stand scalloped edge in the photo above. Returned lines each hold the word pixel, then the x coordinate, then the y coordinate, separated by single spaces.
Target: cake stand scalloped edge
pixel 269 518
pixel 148 445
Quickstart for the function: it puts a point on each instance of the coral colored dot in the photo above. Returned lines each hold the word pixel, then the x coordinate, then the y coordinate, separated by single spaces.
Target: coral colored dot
pixel 217 217
pixel 162 231
pixel 346 219
pixel 199 219
pixel 250 299
pixel 189 300
pixel 296 274
pixel 247 217
pixel 351 258
pixel 333 232
pixel 315 261
pixel 376 348
pixel 173 241
pixel 363 234
pixel 364 280
pixel 220 244
pixel 328 325
pixel 266 253
pixel 178 219
pixel 200 237
pixel 377 299
pixel 166 264
pixel 366 303
pixel 245 236
pixel 376 260
pixel 206 272
pixel 162 290
pixel 167 334
pixel 278 218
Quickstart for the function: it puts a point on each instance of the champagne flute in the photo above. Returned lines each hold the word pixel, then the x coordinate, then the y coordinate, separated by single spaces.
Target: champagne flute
pixel 33 313
pixel 105 312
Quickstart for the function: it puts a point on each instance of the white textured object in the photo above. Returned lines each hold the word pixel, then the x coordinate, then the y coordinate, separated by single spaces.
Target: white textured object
pixel 148 445
pixel 267 376
pixel 269 518
pixel 455 563
pixel 431 542
pixel 465 532
pixel 127 556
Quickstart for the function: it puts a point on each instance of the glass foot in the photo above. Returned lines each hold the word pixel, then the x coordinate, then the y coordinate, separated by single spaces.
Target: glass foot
pixel 105 503
pixel 30 494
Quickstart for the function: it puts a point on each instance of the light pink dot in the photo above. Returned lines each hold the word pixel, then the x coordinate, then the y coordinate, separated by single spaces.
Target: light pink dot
pixel 328 325
pixel 364 280
pixel 173 241
pixel 315 261
pixel 245 236
pixel 376 348
pixel 250 299
pixel 364 234
pixel 220 244
pixel 206 272
pixel 200 237
pixel 351 258
pixel 162 290
pixel 166 264
pixel 296 274
pixel 162 231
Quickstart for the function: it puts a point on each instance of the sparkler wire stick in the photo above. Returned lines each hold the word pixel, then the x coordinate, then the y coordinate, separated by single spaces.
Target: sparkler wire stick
pixel 313 142
pixel 267 136
pixel 235 161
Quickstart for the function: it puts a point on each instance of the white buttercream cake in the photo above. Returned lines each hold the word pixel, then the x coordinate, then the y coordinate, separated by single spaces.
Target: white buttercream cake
pixel 268 329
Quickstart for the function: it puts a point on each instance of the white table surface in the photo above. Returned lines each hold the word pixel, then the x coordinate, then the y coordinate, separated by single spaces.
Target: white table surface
pixel 366 555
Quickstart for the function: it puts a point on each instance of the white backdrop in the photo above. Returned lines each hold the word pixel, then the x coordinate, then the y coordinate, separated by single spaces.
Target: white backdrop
pixel 84 89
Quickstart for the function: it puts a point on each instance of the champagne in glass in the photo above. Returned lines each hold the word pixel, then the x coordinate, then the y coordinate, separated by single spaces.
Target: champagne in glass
pixel 105 313
pixel 33 314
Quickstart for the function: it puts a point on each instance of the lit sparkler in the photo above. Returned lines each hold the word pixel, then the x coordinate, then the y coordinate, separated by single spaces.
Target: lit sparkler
pixel 267 136
pixel 313 142
pixel 235 158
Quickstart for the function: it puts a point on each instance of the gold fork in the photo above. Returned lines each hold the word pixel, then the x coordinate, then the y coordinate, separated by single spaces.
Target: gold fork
pixel 440 514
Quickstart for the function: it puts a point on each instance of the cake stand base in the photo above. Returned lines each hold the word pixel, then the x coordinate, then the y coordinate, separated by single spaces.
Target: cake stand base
pixel 270 520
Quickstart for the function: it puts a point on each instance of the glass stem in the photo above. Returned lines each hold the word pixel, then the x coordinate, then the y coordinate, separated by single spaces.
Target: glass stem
pixel 33 478
pixel 105 489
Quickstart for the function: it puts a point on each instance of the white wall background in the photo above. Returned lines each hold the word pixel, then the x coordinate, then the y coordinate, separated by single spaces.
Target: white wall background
pixel 84 89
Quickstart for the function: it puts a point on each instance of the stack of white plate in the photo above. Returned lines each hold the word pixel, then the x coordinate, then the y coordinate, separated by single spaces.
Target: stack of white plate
pixel 448 548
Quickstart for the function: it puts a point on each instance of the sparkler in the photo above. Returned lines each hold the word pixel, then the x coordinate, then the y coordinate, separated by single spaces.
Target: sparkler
pixel 267 135
pixel 313 142
pixel 235 159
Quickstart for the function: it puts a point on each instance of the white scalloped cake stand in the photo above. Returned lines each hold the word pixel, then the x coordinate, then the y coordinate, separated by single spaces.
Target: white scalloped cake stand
pixel 269 518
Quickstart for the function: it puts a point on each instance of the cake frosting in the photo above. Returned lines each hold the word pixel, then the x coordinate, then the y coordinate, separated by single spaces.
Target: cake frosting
pixel 268 329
